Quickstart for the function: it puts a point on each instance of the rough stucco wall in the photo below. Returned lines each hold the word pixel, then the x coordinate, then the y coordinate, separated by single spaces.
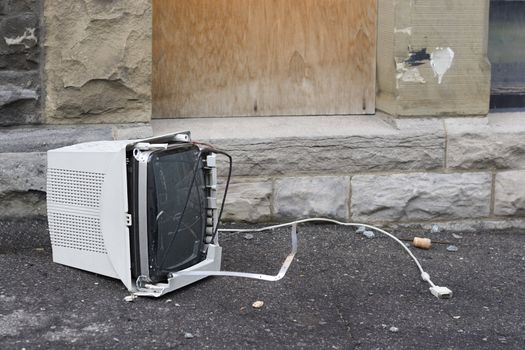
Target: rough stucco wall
pixel 98 61
pixel 413 38
pixel 19 62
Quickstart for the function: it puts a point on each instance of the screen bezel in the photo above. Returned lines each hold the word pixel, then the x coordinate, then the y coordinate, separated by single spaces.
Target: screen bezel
pixel 142 202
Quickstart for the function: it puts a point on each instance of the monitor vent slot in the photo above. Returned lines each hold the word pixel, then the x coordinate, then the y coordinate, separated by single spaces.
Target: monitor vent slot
pixel 73 206
pixel 72 187
pixel 76 232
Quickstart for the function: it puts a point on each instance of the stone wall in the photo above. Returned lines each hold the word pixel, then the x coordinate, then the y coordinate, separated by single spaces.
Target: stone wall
pixel 20 87
pixel 98 61
pixel 97 69
pixel 96 66
pixel 96 79
pixel 23 160
pixel 459 172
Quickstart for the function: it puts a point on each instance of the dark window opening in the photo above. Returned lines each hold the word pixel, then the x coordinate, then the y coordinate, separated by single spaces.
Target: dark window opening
pixel 507 53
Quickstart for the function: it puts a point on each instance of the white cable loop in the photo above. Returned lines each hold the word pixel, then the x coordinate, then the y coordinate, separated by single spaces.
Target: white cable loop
pixel 334 222
pixel 284 268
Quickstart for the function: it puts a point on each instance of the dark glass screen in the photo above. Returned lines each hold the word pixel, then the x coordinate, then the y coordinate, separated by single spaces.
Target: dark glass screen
pixel 176 210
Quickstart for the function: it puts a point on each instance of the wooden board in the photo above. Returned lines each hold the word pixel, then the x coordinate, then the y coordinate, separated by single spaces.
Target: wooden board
pixel 263 57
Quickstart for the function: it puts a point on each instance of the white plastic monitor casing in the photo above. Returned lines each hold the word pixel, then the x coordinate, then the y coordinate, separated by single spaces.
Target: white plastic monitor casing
pixel 87 207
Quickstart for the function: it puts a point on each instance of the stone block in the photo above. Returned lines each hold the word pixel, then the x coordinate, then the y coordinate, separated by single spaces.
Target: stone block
pixel 19 49
pixel 19 62
pixel 20 79
pixel 22 184
pixel 465 225
pixel 132 131
pixel 248 199
pixel 10 94
pixel 23 160
pixel 22 204
pixel 497 141
pixel 40 139
pixel 509 197
pixel 19 105
pixel 319 145
pixel 16 6
pixel 428 62
pixel 44 138
pixel 301 197
pixel 420 196
pixel 98 61
pixel 22 172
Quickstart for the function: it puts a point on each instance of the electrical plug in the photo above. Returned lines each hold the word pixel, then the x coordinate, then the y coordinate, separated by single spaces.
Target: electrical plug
pixel 441 292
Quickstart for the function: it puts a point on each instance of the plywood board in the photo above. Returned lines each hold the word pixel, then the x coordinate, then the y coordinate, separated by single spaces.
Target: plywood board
pixel 263 57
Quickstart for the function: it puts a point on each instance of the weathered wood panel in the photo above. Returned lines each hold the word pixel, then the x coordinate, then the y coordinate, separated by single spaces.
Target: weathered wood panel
pixel 263 57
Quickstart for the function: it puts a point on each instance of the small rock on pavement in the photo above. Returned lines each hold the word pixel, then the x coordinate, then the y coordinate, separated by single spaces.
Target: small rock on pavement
pixel 258 304
pixel 360 229
pixel 248 236
pixel 188 335
pixel 452 248
pixel 130 298
pixel 393 329
pixel 369 234
pixel 435 229
pixel 457 236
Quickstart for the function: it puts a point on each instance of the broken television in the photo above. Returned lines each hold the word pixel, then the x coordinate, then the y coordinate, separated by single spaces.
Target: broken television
pixel 140 211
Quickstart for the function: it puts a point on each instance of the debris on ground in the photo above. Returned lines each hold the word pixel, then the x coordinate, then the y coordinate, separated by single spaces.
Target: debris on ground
pixel 422 243
pixel 248 236
pixel 188 335
pixel 258 304
pixel 368 234
pixel 393 329
pixel 435 229
pixel 130 298
pixel 360 229
pixel 452 248
pixel 457 236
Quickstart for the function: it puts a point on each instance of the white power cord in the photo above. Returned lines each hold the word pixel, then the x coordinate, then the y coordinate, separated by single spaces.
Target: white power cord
pixel 439 292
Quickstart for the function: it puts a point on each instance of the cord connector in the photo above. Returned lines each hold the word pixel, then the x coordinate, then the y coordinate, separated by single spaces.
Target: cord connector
pixel 441 292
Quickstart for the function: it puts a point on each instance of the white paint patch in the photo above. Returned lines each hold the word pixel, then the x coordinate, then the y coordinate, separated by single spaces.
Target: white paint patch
pixel 29 35
pixel 441 61
pixel 407 30
pixel 410 75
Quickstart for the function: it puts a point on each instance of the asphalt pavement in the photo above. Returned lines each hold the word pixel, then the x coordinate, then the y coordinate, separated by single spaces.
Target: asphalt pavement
pixel 343 291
